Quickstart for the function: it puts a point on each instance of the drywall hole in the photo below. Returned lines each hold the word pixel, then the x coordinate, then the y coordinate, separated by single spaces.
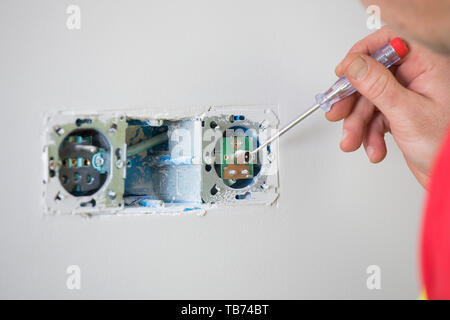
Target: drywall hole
pixel 80 122
pixel 213 125
pixel 174 174
pixel 91 203
pixel 243 196
pixel 214 190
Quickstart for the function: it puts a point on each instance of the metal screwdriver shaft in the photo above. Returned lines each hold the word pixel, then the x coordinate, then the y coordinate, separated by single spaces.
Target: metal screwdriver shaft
pixel 288 127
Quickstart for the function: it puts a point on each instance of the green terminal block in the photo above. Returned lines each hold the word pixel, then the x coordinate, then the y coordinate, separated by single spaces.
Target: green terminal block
pixel 235 165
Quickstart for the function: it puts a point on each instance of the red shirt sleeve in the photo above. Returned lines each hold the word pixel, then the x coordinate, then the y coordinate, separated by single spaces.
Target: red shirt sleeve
pixel 435 244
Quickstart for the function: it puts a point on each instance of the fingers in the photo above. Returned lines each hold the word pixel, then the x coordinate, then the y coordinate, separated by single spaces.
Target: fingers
pixel 377 87
pixel 355 125
pixel 367 46
pixel 373 81
pixel 342 109
pixel 420 61
pixel 358 65
pixel 374 142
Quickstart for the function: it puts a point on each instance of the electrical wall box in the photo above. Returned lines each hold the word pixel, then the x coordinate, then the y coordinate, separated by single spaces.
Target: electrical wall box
pixel 139 162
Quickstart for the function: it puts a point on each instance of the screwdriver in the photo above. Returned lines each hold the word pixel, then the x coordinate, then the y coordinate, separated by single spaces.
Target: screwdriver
pixel 387 55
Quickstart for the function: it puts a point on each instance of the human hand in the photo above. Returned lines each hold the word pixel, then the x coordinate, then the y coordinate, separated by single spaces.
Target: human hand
pixel 411 100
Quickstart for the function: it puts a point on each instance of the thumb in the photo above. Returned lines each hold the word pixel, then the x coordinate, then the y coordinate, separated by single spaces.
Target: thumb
pixel 375 82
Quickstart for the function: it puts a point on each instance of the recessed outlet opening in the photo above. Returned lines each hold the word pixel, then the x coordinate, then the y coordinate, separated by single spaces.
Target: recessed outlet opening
pixel 233 162
pixel 84 155
pixel 108 162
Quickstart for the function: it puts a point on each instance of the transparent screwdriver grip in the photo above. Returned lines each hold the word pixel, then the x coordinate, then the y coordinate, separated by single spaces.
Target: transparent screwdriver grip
pixel 342 88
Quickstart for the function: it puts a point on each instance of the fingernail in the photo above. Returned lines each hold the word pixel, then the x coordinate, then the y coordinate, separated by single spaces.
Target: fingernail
pixel 357 69
pixel 369 151
pixel 344 135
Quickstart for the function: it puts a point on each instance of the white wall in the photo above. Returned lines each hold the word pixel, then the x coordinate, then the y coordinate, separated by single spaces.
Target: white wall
pixel 337 213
